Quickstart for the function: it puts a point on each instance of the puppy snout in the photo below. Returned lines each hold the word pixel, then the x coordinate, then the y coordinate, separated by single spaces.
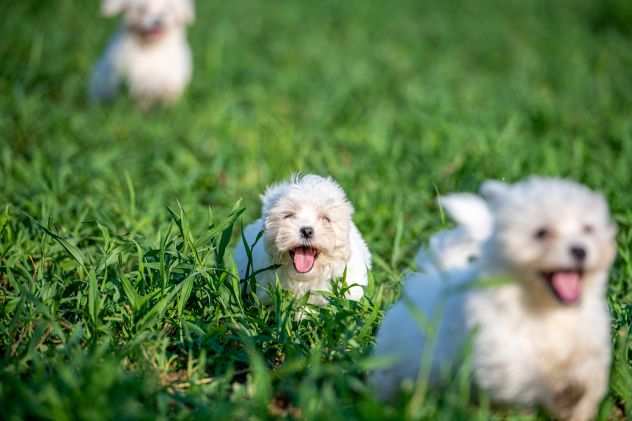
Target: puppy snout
pixel 153 22
pixel 307 232
pixel 578 252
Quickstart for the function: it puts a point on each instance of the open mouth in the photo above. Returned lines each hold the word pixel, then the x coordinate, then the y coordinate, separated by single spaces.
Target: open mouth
pixel 566 284
pixel 150 33
pixel 303 258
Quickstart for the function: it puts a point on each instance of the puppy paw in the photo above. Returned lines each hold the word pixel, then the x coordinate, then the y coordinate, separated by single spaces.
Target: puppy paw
pixel 565 401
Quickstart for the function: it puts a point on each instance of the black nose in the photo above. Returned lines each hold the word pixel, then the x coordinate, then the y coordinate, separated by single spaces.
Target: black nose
pixel 307 232
pixel 579 253
pixel 155 22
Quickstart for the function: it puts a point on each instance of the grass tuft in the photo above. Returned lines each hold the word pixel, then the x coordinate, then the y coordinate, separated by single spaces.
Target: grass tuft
pixel 118 293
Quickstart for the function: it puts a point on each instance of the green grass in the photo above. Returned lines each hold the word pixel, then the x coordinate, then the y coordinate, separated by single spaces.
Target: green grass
pixel 118 295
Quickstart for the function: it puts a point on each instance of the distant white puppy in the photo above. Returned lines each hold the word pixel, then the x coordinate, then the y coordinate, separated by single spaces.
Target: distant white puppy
pixel 458 247
pixel 149 52
pixel 540 338
pixel 308 231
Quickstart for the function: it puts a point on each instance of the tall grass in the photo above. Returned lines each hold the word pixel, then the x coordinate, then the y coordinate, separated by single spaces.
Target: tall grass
pixel 118 293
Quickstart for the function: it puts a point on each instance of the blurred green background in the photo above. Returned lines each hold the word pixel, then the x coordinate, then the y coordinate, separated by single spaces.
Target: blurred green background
pixel 118 296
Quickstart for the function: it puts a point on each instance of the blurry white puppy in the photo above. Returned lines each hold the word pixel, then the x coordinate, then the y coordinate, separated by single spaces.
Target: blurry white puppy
pixel 542 338
pixel 149 52
pixel 458 247
pixel 308 231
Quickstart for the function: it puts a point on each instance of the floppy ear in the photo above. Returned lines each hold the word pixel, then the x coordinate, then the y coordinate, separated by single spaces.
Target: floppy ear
pixel 437 242
pixel 494 190
pixel 612 229
pixel 470 212
pixel 423 261
pixel 426 258
pixel 185 11
pixel 112 7
pixel 271 196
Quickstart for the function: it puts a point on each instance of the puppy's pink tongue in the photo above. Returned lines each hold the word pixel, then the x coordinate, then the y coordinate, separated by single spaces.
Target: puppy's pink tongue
pixel 304 258
pixel 567 286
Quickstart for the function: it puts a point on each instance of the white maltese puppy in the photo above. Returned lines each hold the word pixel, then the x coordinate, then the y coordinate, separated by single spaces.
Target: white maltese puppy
pixel 149 52
pixel 308 232
pixel 540 335
pixel 459 247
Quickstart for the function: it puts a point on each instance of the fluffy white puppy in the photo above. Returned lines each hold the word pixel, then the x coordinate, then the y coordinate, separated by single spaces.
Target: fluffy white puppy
pixel 542 336
pixel 149 52
pixel 458 247
pixel 308 232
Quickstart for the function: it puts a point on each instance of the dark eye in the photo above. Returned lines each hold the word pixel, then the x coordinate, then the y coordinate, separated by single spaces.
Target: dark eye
pixel 288 215
pixel 588 229
pixel 541 233
pixel 472 258
pixel 325 218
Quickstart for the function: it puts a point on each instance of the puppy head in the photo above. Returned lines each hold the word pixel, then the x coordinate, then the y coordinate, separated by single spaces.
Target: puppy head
pixel 554 235
pixel 306 224
pixel 459 247
pixel 149 20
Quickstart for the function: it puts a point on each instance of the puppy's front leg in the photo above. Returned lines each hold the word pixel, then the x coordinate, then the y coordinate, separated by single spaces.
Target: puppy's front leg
pixel 592 380
pixel 587 407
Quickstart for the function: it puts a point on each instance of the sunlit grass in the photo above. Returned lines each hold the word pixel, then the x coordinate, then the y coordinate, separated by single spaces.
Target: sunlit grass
pixel 118 295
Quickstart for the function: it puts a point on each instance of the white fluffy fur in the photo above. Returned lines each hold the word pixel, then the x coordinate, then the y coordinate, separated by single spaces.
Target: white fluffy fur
pixel 528 348
pixel 155 66
pixel 458 247
pixel 317 202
